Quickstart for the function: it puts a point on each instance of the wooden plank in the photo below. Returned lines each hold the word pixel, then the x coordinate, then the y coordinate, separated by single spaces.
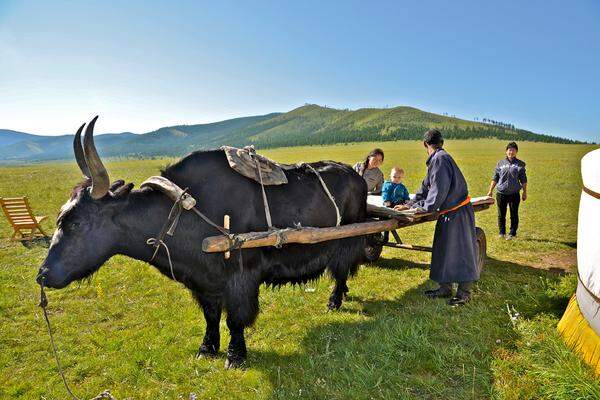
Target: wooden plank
pixel 20 214
pixel 16 214
pixel 27 218
pixel 304 235
pixel 13 201
pixel 13 205
pixel 11 215
pixel 21 225
pixel 377 211
pixel 16 208
pixel 20 203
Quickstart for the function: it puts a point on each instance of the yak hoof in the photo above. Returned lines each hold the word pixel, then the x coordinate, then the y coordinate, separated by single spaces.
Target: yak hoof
pixel 207 351
pixel 234 362
pixel 334 304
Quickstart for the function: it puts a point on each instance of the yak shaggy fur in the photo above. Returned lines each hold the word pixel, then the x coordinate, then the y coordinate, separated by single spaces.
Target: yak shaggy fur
pixel 130 217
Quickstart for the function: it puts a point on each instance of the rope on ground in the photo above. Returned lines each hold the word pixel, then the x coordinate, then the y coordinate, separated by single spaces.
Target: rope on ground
pixel 43 304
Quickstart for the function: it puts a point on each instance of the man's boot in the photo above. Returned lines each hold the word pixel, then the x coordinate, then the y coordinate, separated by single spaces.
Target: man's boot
pixel 442 292
pixel 463 294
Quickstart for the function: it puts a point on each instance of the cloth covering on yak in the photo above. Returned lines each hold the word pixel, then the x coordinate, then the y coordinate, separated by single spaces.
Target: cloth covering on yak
pixel 454 256
pixel 102 220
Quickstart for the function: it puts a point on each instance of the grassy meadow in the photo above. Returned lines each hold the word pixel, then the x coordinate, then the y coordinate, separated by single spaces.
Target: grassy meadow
pixel 136 333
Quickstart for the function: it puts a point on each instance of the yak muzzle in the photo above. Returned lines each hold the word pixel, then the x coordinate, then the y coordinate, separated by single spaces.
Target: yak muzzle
pixel 41 276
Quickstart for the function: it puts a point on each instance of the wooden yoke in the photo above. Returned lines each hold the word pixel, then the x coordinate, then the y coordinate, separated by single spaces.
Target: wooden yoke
pixel 173 191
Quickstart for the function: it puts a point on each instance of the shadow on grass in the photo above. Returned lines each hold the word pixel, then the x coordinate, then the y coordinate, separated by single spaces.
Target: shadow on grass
pixel 42 241
pixel 539 288
pixel 572 245
pixel 397 263
pixel 410 346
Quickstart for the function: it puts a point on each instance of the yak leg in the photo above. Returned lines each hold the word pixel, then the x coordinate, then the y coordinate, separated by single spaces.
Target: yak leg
pixel 211 306
pixel 340 267
pixel 340 274
pixel 337 294
pixel 242 307
pixel 236 352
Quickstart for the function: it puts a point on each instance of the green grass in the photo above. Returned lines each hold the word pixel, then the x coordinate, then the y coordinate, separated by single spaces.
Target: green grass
pixel 135 332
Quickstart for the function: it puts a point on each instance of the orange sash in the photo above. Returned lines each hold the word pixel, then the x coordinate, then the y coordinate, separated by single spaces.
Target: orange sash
pixel 462 203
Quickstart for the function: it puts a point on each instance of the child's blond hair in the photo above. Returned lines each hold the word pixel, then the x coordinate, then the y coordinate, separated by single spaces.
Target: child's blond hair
pixel 397 169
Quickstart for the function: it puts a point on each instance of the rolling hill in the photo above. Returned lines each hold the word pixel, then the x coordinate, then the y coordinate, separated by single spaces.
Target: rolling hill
pixel 307 125
pixel 8 137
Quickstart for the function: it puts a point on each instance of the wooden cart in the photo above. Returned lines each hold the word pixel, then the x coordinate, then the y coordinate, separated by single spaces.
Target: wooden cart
pixel 379 240
pixel 382 221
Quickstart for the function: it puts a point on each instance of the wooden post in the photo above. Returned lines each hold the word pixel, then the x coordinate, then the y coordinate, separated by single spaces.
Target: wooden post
pixel 226 226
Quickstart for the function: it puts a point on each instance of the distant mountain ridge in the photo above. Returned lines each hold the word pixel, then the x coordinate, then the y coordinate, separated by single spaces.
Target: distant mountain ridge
pixel 8 137
pixel 307 125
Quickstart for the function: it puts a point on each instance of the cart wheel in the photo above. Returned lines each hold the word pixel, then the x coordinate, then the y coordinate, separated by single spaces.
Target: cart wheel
pixel 481 248
pixel 374 247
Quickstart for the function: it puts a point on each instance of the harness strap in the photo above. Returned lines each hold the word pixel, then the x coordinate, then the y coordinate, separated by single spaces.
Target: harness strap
pixel 326 189
pixel 264 194
pixel 168 229
pixel 208 221
pixel 461 204
pixel 157 243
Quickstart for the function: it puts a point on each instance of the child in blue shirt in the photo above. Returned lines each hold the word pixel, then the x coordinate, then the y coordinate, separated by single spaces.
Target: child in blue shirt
pixel 394 192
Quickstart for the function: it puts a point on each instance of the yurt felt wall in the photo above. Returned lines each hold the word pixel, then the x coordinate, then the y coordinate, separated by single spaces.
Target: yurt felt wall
pixel 580 325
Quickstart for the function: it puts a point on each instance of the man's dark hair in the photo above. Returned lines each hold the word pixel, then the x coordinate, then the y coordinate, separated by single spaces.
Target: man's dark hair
pixel 434 138
pixel 512 145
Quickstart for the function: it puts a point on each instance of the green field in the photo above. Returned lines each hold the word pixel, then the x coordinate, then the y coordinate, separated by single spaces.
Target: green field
pixel 136 333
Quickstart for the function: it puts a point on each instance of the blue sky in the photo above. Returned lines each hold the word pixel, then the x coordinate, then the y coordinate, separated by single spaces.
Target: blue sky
pixel 146 64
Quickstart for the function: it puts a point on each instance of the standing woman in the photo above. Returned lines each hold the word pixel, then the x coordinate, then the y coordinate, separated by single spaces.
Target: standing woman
pixel 369 170
pixel 509 178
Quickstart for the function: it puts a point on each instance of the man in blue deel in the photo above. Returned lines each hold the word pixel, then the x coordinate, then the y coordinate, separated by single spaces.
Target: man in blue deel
pixel 444 191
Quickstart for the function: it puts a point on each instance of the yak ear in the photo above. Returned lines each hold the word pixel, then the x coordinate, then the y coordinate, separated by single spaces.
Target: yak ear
pixel 116 184
pixel 122 190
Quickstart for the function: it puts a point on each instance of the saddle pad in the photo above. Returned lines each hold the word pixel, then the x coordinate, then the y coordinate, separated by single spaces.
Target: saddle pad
pixel 243 161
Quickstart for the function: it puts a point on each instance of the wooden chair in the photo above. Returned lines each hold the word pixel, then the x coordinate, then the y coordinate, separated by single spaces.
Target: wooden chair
pixel 26 226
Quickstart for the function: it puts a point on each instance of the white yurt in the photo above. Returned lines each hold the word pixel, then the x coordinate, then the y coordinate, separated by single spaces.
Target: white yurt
pixel 580 325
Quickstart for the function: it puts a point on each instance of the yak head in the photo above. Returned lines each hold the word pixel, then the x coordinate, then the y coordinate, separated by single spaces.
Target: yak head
pixel 86 233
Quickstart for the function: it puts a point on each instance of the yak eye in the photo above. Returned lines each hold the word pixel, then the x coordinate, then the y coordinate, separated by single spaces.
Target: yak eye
pixel 73 225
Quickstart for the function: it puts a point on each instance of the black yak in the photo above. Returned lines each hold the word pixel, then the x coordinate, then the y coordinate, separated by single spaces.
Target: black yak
pixel 101 220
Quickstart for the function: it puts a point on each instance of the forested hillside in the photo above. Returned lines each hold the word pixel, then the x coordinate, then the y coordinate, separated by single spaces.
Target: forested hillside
pixel 313 124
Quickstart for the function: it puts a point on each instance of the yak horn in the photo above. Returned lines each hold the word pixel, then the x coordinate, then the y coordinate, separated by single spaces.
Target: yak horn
pixel 79 156
pixel 100 179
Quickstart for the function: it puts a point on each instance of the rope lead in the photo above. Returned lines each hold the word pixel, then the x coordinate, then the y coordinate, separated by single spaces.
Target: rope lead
pixel 44 304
